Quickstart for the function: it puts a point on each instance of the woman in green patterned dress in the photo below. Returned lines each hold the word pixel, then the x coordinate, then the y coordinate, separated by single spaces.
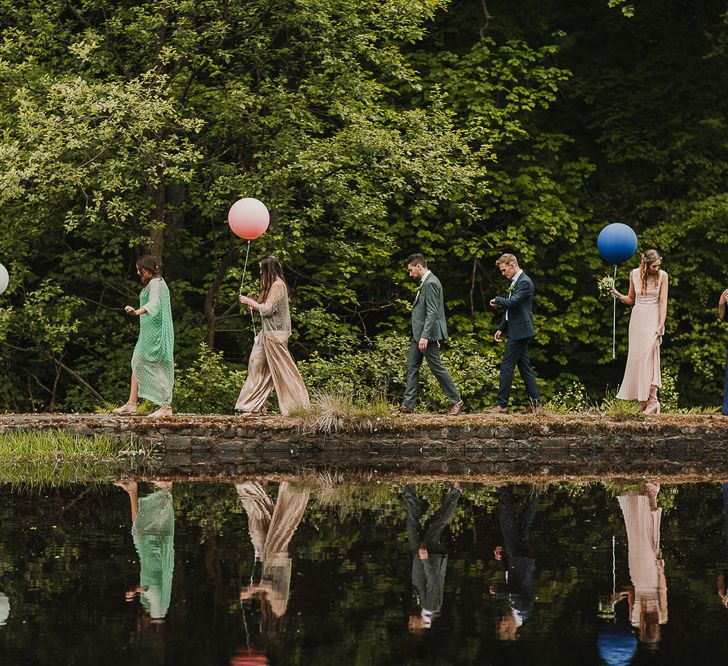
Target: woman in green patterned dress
pixel 152 364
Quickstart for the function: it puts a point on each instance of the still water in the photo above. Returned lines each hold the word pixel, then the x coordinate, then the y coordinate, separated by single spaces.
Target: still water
pixel 321 572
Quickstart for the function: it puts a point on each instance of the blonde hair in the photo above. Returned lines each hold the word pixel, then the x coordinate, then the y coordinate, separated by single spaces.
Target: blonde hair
pixel 649 257
pixel 506 259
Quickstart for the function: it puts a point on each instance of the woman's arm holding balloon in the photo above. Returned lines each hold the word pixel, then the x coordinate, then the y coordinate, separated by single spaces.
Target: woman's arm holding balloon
pixel 250 302
pixel 629 298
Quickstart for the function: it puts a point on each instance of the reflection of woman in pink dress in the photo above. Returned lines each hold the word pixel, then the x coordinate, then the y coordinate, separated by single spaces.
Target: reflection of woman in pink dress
pixel 647 597
pixel 648 294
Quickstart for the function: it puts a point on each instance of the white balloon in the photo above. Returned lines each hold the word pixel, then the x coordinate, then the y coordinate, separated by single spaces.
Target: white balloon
pixel 4 278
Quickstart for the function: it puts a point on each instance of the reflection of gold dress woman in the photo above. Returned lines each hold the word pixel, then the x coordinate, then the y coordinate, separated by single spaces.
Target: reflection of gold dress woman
pixel 271 529
pixel 646 567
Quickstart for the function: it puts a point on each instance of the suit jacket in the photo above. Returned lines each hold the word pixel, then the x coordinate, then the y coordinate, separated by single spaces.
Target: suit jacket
pixel 428 311
pixel 519 306
pixel 428 579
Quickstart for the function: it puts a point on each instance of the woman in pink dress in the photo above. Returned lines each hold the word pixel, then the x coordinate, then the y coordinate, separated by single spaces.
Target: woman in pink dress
pixel 648 294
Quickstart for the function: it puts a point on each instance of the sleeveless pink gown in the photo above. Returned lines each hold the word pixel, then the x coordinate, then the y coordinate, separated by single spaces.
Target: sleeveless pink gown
pixel 643 358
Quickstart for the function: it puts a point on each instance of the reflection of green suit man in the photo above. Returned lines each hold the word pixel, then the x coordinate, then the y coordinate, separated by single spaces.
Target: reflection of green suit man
pixel 428 323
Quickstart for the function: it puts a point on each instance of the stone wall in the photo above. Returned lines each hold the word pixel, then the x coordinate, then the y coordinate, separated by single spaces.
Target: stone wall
pixel 542 445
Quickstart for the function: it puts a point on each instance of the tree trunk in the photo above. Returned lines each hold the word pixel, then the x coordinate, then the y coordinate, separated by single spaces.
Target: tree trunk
pixel 214 290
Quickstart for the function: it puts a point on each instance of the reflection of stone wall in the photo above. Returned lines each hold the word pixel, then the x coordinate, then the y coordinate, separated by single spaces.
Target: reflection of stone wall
pixel 543 445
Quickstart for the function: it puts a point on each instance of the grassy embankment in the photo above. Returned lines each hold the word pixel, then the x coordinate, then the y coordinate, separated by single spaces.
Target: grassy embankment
pixel 56 457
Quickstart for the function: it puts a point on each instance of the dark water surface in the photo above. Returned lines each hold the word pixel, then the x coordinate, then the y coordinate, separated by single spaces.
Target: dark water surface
pixel 326 573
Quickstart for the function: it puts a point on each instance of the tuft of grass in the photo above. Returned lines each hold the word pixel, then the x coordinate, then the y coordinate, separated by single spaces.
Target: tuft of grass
pixel 143 407
pixel 57 457
pixel 332 412
pixel 620 408
pixel 354 495
pixel 698 410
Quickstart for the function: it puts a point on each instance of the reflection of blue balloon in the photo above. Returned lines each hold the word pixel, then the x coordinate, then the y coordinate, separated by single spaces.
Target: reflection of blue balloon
pixel 617 644
pixel 617 242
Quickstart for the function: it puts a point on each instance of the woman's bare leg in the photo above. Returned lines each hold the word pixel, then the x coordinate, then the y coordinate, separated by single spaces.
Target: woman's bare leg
pixel 133 391
pixel 131 405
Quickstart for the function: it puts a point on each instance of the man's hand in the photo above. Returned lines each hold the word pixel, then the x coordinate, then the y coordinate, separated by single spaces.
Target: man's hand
pixel 493 304
pixel 498 335
pixel 422 344
pixel 422 552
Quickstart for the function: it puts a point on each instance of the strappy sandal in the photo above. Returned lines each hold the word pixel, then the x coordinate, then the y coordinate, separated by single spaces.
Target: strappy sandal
pixel 162 411
pixel 128 408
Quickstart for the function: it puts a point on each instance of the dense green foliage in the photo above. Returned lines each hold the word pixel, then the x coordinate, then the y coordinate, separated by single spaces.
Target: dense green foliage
pixel 370 129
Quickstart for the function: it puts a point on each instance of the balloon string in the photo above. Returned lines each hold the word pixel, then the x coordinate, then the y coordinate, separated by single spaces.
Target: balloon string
pixel 240 291
pixel 245 268
pixel 614 319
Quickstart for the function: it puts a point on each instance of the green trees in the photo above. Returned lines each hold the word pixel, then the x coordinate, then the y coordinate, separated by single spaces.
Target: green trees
pixel 370 129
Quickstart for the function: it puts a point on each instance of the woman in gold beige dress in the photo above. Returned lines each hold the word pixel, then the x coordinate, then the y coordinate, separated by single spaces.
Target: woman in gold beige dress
pixel 271 365
pixel 648 294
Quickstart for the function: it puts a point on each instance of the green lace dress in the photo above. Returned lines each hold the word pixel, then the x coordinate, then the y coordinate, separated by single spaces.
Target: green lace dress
pixel 153 360
pixel 153 533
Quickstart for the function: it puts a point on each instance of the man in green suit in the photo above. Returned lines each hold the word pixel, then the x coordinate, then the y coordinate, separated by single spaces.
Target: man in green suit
pixel 428 328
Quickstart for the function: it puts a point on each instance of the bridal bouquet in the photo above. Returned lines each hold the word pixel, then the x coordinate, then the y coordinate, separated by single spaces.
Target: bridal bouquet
pixel 605 285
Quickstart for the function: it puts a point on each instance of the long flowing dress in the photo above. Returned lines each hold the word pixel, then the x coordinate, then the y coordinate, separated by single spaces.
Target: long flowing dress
pixel 271 365
pixel 646 566
pixel 153 360
pixel 271 529
pixel 643 358
pixel 153 532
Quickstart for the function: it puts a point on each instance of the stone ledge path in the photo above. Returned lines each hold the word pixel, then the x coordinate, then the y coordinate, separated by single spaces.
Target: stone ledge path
pixel 543 445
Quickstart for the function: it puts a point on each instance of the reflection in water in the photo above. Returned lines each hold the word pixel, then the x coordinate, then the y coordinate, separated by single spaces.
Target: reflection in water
pixel 647 596
pixel 516 559
pixel 271 529
pixel 722 577
pixel 153 532
pixel 429 559
pixel 337 584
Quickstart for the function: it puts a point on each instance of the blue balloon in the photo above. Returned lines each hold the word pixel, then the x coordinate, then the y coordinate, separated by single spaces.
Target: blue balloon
pixel 617 644
pixel 617 242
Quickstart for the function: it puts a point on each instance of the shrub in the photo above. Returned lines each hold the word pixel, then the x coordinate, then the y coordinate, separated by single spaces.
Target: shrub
pixel 575 398
pixel 378 373
pixel 208 385
pixel 474 370
pixel 369 375
pixel 668 395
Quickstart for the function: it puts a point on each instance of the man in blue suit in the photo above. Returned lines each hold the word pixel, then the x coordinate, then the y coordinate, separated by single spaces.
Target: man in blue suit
pixel 518 325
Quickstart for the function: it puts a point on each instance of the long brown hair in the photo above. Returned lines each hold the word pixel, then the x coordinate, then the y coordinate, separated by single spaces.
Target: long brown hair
pixel 649 257
pixel 149 263
pixel 270 271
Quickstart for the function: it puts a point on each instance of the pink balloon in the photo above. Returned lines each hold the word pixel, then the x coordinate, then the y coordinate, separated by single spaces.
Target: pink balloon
pixel 248 218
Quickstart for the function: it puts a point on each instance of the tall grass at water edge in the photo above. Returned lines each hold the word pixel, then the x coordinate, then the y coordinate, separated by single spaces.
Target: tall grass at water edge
pixel 57 457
